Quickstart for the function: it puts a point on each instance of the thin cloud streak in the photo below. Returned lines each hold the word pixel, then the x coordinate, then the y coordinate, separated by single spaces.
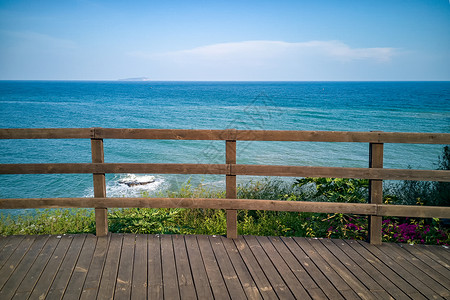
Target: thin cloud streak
pixel 275 49
pixel 266 60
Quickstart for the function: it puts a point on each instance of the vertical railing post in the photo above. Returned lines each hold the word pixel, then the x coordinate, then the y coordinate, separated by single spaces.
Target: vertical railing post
pixel 101 218
pixel 231 192
pixel 375 192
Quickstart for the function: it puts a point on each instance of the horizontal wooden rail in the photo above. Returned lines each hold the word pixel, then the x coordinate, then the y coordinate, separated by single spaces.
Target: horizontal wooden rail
pixel 226 134
pixel 221 203
pixel 114 168
pixel 229 169
pixel 46 133
pixel 341 172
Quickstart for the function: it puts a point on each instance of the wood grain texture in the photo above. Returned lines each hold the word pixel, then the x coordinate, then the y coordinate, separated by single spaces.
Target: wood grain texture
pixel 101 213
pixel 341 172
pixel 220 203
pixel 224 169
pixel 217 203
pixel 46 133
pixel 100 168
pixel 231 190
pixel 227 134
pixel 375 192
pixel 207 267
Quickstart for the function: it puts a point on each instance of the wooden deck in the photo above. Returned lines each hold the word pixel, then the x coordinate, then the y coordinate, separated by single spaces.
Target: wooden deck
pixel 128 266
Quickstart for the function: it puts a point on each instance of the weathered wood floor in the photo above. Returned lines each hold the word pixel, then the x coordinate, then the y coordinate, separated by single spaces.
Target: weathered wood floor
pixel 128 266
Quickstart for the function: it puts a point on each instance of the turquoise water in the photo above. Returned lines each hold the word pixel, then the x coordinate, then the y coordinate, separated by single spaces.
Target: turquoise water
pixel 352 106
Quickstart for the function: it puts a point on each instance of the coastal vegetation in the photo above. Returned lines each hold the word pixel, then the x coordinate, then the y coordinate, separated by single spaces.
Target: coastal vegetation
pixel 209 221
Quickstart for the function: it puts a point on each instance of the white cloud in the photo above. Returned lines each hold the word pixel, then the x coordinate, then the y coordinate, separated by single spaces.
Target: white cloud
pixel 273 49
pixel 266 60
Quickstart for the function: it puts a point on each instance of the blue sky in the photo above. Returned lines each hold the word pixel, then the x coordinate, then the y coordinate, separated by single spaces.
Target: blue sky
pixel 225 40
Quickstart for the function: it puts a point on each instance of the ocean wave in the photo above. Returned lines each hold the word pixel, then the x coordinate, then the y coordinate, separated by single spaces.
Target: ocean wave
pixel 132 185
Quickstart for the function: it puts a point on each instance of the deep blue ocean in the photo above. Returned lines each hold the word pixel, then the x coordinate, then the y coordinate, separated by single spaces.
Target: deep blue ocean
pixel 347 106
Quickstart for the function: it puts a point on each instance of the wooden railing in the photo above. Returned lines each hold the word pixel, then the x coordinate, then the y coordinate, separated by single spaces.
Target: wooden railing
pixel 375 209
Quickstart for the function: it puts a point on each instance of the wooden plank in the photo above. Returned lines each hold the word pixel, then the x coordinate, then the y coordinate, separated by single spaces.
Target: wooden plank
pixel 342 270
pixel 231 279
pixel 231 190
pixel 48 275
pixel 415 211
pixel 263 284
pixel 3 240
pixel 217 203
pixel 392 276
pixel 364 262
pixel 437 267
pixel 291 281
pixel 229 134
pixel 433 255
pixel 85 168
pixel 169 270
pixel 346 291
pixel 78 275
pixel 442 252
pixel 94 275
pixel 375 192
pixel 15 258
pixel 420 270
pixel 101 213
pixel 185 279
pixel 216 280
pixel 341 172
pixel 306 261
pixel 164 134
pixel 278 284
pixel 18 273
pixel 109 276
pixel 242 272
pixel 46 133
pixel 139 282
pixel 223 169
pixel 125 273
pixel 343 136
pixel 67 267
pixel 405 274
pixel 35 269
pixel 155 279
pixel 357 273
pixel 297 269
pixel 200 278
pixel 10 243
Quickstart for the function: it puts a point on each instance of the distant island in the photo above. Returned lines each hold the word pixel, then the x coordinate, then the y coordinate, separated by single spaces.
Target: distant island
pixel 135 79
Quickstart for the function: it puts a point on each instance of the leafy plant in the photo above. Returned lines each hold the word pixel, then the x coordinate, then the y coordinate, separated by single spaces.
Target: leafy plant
pixel 143 220
pixel 410 192
pixel 337 189
pixel 415 231
pixel 49 221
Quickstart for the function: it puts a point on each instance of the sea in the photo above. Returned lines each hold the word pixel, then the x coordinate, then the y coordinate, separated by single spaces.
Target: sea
pixel 339 106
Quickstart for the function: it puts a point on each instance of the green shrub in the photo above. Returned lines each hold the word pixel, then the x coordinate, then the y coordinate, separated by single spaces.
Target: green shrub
pixel 50 221
pixel 410 192
pixel 143 220
pixel 336 189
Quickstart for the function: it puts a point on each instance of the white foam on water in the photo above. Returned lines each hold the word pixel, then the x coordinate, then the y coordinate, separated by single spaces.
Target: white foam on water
pixel 135 180
pixel 131 185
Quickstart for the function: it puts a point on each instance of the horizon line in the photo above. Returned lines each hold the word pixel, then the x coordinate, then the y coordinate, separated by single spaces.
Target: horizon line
pixel 157 80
